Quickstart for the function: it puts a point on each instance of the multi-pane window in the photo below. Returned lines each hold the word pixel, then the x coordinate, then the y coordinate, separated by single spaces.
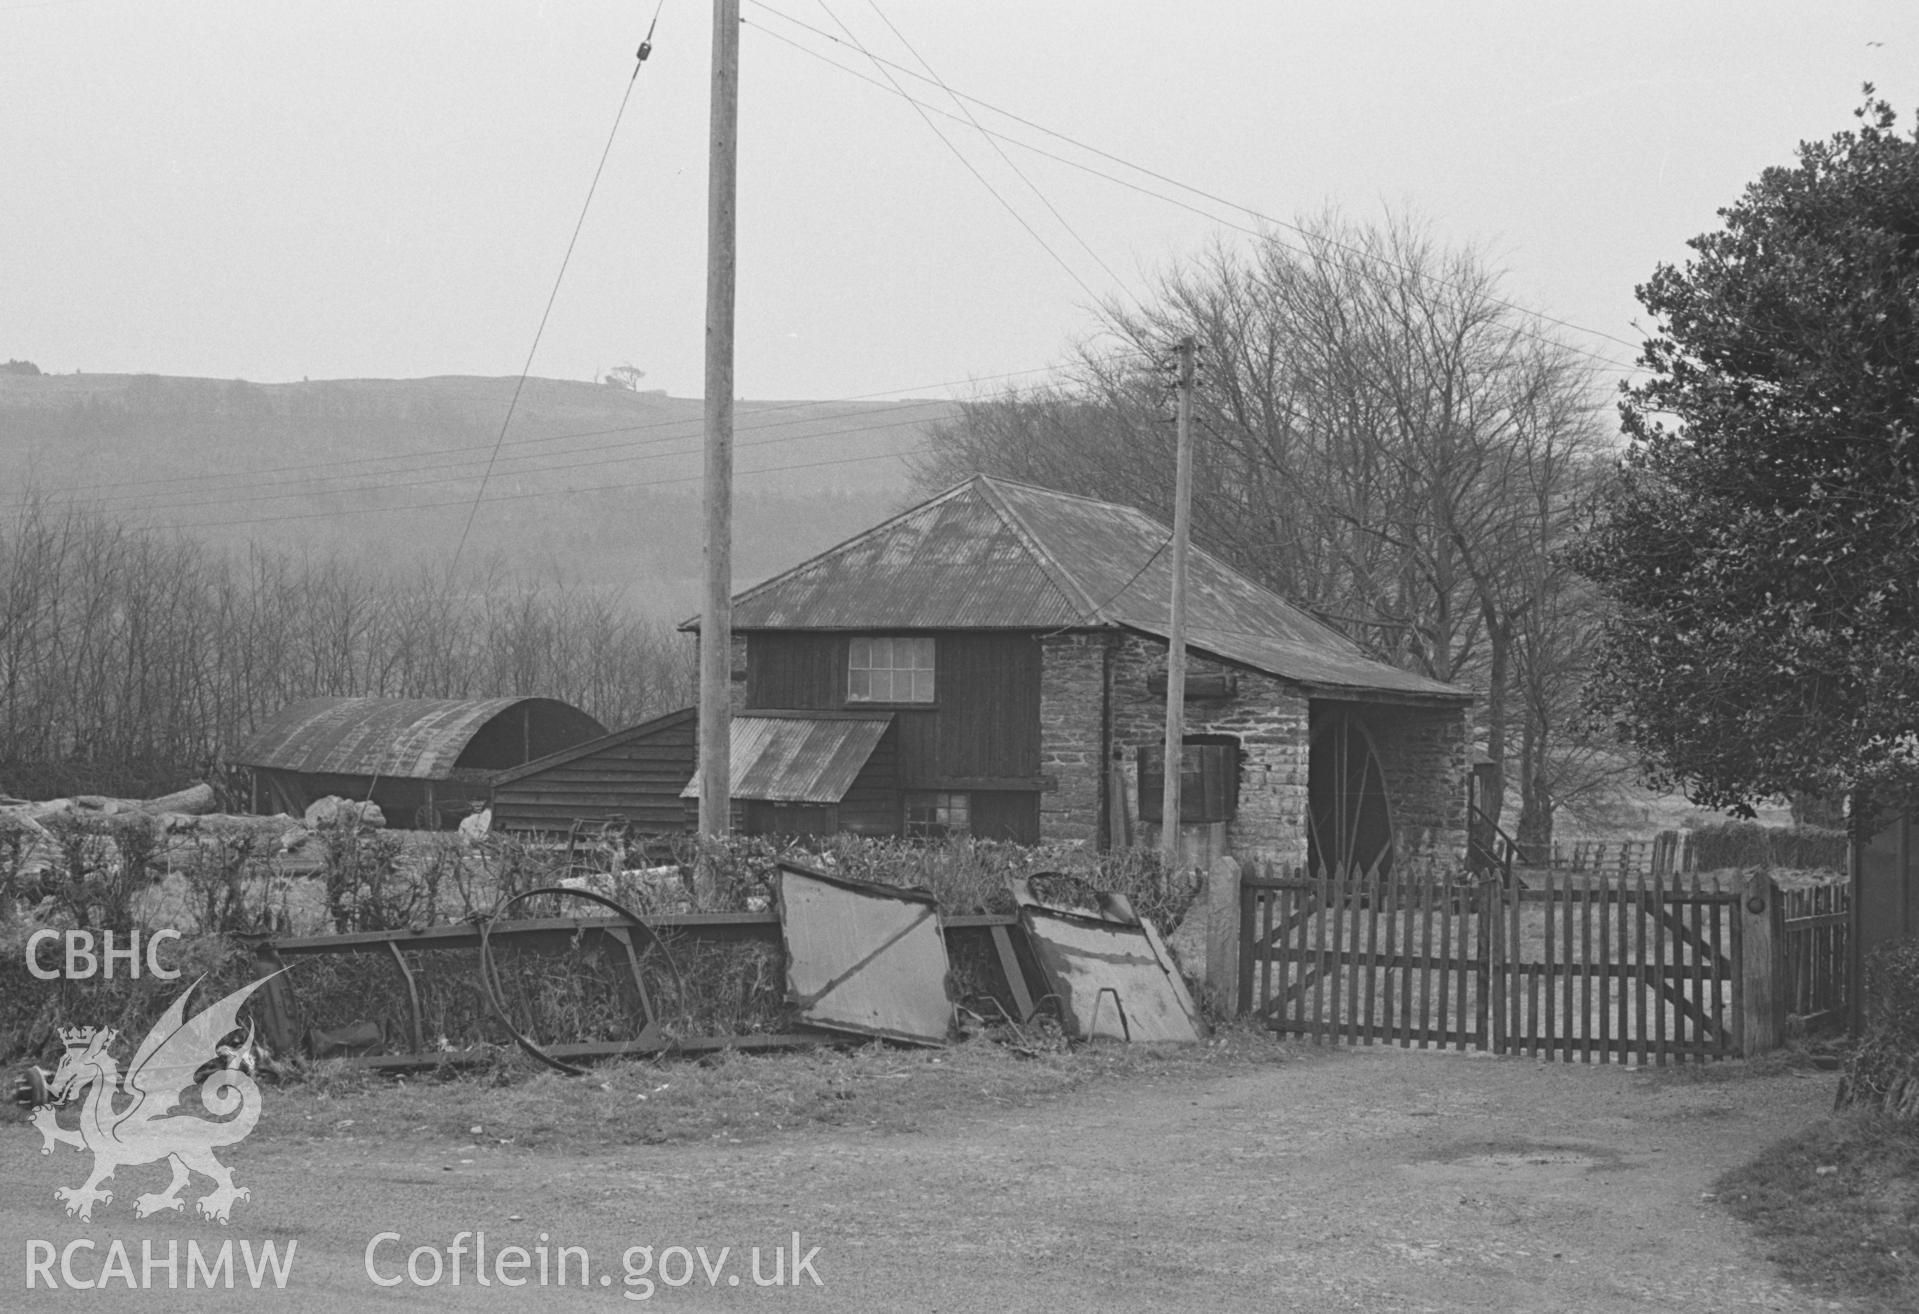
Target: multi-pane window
pixel 889 671
pixel 932 815
pixel 1208 780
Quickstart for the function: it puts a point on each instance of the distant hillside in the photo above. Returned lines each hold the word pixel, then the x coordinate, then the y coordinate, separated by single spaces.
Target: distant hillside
pixel 596 483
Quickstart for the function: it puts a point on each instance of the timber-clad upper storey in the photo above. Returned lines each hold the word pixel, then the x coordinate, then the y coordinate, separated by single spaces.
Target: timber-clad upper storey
pixel 993 554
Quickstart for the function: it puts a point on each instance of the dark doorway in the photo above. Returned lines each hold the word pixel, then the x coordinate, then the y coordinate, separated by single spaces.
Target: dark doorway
pixel 1351 830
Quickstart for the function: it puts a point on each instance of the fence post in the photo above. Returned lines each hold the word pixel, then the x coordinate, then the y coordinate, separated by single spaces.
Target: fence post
pixel 1249 929
pixel 1223 931
pixel 1761 966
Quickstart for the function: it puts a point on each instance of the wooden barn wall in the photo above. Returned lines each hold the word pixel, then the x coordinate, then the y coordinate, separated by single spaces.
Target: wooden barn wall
pixel 796 672
pixel 1006 815
pixel 984 723
pixel 637 782
pixel 872 805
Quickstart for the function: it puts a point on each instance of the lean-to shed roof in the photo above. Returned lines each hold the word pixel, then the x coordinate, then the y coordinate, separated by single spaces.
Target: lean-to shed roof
pixel 994 554
pixel 409 738
pixel 792 758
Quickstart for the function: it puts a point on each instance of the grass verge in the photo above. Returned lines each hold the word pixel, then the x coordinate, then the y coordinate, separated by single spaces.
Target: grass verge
pixel 1837 1207
pixel 731 1097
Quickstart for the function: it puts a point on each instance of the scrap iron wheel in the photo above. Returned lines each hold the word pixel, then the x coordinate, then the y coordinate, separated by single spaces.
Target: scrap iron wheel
pixel 496 995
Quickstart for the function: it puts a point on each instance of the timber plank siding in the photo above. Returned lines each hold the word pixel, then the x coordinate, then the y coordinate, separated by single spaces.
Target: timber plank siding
pixel 983 722
pixel 632 776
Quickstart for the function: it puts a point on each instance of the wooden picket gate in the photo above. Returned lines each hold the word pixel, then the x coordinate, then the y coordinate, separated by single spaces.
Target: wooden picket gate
pixel 1818 933
pixel 1585 966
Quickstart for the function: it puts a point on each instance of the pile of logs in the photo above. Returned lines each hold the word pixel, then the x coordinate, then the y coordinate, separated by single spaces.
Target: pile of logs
pixel 194 801
pixel 179 818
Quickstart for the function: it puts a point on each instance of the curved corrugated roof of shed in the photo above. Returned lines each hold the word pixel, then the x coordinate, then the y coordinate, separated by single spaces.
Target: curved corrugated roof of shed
pixel 409 738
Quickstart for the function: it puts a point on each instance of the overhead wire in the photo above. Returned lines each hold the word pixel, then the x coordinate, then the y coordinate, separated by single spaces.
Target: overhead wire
pixel 993 141
pixel 639 62
pixel 1251 211
pixel 1117 593
pixel 891 85
pixel 960 155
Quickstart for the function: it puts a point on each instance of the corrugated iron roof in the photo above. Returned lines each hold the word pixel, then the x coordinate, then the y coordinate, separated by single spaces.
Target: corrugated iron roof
pixel 410 738
pixel 994 554
pixel 798 759
pixel 955 562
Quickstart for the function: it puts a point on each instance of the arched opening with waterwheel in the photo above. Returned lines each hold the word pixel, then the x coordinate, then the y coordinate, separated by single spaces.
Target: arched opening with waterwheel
pixel 1350 823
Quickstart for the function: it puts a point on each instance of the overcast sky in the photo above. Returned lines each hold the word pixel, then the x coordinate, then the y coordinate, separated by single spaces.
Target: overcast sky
pixel 285 190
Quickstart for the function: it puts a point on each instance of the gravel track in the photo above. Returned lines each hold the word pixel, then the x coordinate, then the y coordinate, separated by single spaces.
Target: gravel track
pixel 1362 1179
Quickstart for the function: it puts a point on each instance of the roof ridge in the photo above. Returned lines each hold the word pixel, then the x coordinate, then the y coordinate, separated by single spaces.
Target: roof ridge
pixel 1055 570
pixel 741 599
pixel 1088 609
pixel 1057 492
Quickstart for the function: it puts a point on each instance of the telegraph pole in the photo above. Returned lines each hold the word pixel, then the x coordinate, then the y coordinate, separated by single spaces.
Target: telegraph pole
pixel 1176 633
pixel 716 618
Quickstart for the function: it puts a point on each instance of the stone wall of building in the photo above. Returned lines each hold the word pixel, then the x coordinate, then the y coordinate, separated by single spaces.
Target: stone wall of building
pixel 1072 736
pixel 1423 752
pixel 1266 715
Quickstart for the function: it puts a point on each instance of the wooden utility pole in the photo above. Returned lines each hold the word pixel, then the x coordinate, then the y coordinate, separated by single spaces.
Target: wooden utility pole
pixel 716 618
pixel 1176 633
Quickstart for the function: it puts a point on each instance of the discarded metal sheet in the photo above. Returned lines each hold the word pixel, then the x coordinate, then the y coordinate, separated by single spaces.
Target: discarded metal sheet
pixel 864 958
pixel 1112 979
pixel 1108 907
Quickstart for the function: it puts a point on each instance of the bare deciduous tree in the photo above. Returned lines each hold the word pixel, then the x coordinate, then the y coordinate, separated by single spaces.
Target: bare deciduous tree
pixel 129 658
pixel 1384 439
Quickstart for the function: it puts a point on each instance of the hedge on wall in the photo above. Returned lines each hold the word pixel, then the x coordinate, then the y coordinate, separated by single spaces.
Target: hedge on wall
pixel 1749 844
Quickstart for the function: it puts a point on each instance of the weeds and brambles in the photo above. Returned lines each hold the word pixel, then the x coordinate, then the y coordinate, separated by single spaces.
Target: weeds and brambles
pixel 1749 844
pixel 97 870
pixel 723 989
pixel 360 873
pixel 1882 1072
pixel 967 875
pixel 376 880
pixel 1834 1206
pixel 32 1010
pixel 220 870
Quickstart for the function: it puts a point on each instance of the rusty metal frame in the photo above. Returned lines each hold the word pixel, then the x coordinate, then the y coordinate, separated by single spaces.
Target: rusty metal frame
pixel 649 1039
pixel 279 1009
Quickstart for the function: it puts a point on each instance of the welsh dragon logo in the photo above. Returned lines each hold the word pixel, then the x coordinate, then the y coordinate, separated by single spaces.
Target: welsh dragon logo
pixel 144 1130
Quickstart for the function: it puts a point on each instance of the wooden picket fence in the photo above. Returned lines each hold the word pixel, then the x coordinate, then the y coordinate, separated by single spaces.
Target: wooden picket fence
pixel 1617 857
pixel 1817 927
pixel 1580 966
